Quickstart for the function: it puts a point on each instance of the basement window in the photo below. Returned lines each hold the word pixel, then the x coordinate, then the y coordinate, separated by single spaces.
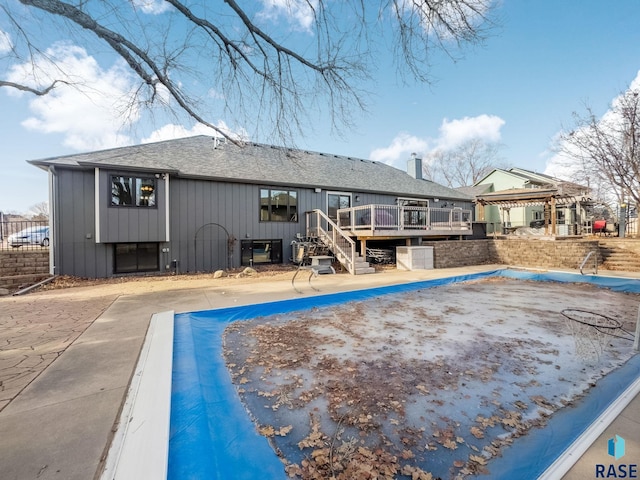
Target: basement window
pixel 257 252
pixel 136 257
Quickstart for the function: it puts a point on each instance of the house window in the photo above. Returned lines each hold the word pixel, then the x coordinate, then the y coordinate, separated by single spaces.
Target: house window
pixel 136 257
pixel 278 205
pixel 256 252
pixel 133 191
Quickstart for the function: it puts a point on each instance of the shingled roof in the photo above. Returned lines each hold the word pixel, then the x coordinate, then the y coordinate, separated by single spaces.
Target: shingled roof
pixel 207 158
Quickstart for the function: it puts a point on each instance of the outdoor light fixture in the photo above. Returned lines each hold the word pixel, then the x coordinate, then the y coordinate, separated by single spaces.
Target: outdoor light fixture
pixel 318 190
pixel 357 198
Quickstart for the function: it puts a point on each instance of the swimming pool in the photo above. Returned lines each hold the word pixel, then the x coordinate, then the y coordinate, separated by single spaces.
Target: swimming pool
pixel 213 435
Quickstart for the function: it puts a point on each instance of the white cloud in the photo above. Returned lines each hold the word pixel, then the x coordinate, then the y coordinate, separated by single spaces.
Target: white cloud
pixel 152 7
pixel 400 149
pixel 451 134
pixel 455 132
pixel 5 42
pixel 295 12
pixel 561 167
pixel 91 112
pixel 171 131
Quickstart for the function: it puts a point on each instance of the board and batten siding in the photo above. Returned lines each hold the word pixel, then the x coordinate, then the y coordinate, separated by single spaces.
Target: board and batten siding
pixel 80 249
pixel 130 224
pixel 208 208
pixel 75 249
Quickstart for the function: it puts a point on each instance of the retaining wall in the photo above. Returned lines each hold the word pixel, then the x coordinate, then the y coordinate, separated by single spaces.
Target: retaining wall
pixel 524 253
pixel 22 268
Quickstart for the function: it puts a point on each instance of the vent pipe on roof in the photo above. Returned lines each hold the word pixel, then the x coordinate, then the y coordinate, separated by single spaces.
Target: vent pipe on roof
pixel 414 167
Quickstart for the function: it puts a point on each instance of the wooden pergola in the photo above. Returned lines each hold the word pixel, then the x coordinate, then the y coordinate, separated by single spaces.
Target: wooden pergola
pixel 549 198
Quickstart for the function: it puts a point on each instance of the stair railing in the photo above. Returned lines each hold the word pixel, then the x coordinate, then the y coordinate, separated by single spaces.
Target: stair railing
pixel 586 259
pixel 343 246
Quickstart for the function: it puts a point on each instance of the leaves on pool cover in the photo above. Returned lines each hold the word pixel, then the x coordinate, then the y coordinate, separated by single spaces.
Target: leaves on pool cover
pixel 315 438
pixel 422 389
pixel 284 430
pixel 543 402
pixel 309 364
pixel 511 419
pixel 267 431
pixel 478 459
pixel 450 444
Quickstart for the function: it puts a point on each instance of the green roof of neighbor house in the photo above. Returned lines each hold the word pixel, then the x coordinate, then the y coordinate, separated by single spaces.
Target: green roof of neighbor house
pixel 208 158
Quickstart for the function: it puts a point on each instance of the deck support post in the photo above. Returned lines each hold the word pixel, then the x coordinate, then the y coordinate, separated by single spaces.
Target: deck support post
pixel 363 247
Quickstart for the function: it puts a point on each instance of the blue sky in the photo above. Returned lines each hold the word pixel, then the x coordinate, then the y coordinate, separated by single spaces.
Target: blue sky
pixel 545 60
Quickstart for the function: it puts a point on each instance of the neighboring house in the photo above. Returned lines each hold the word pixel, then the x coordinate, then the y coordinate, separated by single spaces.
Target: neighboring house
pixel 201 204
pixel 516 198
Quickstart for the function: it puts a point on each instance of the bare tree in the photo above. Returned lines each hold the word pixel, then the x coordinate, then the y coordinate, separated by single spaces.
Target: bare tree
pixel 463 165
pixel 605 152
pixel 264 73
pixel 40 211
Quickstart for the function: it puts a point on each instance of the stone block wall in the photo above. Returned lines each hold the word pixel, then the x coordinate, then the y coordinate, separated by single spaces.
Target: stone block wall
pixel 461 253
pixel 543 253
pixel 524 253
pixel 21 268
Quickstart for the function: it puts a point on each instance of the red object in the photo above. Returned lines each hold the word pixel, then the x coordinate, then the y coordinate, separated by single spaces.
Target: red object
pixel 599 226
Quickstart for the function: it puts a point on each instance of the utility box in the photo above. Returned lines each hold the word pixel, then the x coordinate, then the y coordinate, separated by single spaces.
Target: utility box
pixel 414 258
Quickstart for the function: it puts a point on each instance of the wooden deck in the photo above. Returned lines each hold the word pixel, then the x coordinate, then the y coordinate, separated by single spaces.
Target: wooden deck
pixel 391 221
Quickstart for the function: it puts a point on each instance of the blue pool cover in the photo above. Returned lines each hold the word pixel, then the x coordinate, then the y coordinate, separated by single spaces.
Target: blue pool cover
pixel 212 435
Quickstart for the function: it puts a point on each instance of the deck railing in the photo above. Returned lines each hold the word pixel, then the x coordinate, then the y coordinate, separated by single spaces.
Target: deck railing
pixel 403 218
pixel 321 226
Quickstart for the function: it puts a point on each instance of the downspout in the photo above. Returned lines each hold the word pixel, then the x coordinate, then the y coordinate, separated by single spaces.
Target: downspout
pixel 97 203
pixel 52 217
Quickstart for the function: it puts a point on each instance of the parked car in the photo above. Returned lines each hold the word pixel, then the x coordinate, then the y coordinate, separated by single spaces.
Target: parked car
pixel 30 236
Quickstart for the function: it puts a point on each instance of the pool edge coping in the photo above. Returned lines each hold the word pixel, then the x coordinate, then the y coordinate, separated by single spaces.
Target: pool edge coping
pixel 140 448
pixel 578 447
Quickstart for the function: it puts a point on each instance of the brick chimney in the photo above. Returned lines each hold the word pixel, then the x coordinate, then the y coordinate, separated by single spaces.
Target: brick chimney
pixel 414 167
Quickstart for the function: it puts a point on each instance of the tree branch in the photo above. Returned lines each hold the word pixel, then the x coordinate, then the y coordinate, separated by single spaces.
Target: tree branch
pixel 35 91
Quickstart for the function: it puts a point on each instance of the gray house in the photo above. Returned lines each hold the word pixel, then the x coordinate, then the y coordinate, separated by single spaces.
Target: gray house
pixel 202 204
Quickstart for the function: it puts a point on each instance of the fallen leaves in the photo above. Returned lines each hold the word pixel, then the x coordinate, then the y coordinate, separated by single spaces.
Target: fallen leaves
pixel 375 413
pixel 270 431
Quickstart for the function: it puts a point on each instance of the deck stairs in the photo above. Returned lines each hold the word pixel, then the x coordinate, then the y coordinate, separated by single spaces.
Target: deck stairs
pixel 620 254
pixel 338 242
pixel 360 264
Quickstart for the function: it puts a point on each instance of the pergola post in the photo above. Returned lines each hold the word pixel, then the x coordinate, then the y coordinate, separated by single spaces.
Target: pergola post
pixel 546 215
pixel 553 215
pixel 481 212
